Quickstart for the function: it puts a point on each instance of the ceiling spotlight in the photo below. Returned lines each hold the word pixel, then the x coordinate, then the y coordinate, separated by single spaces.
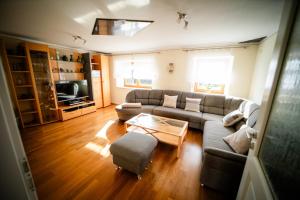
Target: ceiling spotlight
pixel 77 37
pixel 182 16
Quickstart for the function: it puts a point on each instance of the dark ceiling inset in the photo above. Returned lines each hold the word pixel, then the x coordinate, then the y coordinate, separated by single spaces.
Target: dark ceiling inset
pixel 119 27
pixel 256 40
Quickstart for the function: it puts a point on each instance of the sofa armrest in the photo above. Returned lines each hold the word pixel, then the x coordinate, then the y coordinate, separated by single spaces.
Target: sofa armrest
pixel 222 170
pixel 225 154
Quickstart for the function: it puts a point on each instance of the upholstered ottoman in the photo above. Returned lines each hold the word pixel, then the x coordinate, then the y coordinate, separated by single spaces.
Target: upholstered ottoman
pixel 133 152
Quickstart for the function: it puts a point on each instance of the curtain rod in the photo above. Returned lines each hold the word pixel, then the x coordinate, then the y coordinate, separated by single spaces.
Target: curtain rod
pixel 135 53
pixel 221 47
pixel 188 49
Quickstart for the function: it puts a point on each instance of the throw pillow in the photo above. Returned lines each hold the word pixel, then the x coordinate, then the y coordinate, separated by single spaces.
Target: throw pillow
pixel 239 141
pixel 232 118
pixel 192 104
pixel 170 101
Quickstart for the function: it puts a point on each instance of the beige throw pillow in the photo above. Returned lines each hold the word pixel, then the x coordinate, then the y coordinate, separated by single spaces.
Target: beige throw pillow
pixel 239 141
pixel 232 118
pixel 170 101
pixel 192 104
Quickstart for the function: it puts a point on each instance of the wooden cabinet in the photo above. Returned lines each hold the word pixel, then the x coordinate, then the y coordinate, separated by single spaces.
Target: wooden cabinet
pixel 69 112
pixel 105 80
pixel 97 68
pixel 97 93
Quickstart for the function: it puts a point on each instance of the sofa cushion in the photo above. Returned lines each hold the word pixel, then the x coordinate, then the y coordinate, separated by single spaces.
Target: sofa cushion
pixel 170 101
pixel 232 118
pixel 212 117
pixel 130 97
pixel 250 111
pixel 231 104
pixel 214 104
pixel 135 111
pixel 155 97
pixel 142 96
pixel 171 93
pixel 239 141
pixel 192 104
pixel 177 113
pixel 214 131
pixel 185 95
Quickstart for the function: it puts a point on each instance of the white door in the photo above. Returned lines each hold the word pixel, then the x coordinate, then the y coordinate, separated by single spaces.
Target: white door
pixel 272 169
pixel 15 176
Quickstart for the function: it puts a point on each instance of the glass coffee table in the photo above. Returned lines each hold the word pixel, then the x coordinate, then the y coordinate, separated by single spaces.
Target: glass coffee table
pixel 167 130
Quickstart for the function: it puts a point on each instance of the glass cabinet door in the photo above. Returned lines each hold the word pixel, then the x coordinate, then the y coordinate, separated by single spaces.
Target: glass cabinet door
pixel 44 85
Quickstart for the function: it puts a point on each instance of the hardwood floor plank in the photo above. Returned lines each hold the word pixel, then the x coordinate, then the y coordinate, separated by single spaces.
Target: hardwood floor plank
pixel 71 160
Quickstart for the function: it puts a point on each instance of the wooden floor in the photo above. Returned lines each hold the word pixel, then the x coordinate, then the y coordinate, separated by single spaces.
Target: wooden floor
pixel 71 160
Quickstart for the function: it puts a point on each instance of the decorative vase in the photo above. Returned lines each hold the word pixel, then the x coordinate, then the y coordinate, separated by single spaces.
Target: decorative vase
pixel 57 55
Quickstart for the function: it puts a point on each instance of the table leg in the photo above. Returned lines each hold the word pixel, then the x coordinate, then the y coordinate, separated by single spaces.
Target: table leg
pixel 179 147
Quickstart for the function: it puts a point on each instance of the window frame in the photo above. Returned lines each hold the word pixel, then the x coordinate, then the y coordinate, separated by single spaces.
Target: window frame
pixel 201 87
pixel 137 85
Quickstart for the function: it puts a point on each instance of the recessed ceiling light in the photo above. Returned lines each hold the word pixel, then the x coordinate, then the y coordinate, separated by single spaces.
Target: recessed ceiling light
pixel 120 27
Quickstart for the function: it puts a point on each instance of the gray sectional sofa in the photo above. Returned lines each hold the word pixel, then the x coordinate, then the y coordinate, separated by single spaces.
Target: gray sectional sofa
pixel 222 168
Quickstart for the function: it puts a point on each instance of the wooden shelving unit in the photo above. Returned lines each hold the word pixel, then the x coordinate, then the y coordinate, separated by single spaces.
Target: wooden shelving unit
pixel 18 72
pixel 31 83
pixel 32 70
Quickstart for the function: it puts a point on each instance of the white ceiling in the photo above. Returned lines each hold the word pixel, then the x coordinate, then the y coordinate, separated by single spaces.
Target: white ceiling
pixel 211 22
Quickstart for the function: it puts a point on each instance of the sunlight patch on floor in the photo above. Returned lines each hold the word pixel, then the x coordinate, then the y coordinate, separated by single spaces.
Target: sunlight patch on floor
pixel 103 131
pixel 103 151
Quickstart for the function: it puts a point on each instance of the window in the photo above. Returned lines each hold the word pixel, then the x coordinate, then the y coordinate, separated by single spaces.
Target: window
pixel 134 73
pixel 211 74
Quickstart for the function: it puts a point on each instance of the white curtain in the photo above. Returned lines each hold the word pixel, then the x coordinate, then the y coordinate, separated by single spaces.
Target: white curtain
pixel 210 66
pixel 137 67
pixel 212 70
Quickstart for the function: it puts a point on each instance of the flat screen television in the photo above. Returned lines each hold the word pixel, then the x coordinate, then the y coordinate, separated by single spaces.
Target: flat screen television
pixel 71 90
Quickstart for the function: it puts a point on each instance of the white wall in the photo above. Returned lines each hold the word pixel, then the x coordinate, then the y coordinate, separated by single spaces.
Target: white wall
pixel 243 67
pixel 264 55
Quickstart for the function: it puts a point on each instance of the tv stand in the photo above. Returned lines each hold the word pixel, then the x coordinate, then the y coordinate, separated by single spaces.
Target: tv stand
pixel 76 110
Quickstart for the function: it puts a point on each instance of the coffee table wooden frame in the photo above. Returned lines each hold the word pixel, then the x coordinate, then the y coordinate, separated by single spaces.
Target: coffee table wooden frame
pixel 162 130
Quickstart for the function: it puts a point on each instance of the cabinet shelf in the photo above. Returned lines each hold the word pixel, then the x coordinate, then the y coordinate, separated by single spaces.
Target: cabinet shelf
pixel 22 86
pixel 67 72
pixel 16 56
pixel 31 125
pixel 29 112
pixel 67 61
pixel 20 71
pixel 26 99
